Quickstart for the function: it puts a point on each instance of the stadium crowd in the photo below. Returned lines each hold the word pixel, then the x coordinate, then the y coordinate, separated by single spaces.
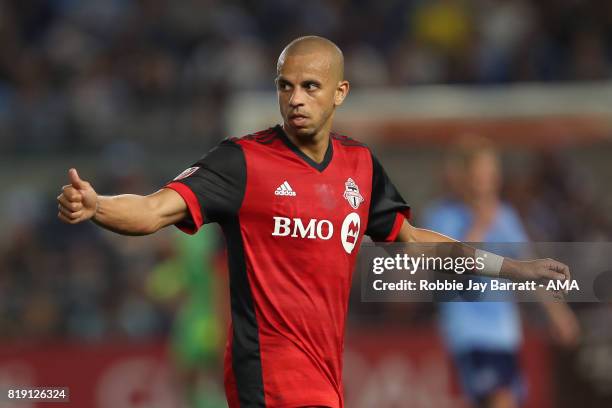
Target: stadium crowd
pixel 75 75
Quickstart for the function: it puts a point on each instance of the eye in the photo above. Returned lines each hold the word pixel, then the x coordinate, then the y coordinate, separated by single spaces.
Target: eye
pixel 283 86
pixel 311 86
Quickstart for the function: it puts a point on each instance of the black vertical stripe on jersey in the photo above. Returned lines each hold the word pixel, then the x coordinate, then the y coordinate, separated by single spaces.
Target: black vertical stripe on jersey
pixel 246 356
pixel 385 203
pixel 346 141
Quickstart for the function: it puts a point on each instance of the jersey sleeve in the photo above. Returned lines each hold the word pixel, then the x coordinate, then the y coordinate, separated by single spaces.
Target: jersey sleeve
pixel 213 187
pixel 387 208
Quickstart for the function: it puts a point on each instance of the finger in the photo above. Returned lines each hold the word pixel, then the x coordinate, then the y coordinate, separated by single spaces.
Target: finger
pixel 566 271
pixel 66 219
pixel 75 180
pixel 563 269
pixel 558 266
pixel 71 193
pixel 552 274
pixel 72 215
pixel 69 205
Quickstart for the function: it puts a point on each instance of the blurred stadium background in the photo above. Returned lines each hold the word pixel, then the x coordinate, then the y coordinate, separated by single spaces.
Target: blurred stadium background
pixel 132 91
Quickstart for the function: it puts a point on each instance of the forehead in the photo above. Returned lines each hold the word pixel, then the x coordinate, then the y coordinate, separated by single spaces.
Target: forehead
pixel 483 159
pixel 313 66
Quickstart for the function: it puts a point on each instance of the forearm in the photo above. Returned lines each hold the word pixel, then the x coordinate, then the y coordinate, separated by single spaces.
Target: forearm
pixel 494 264
pixel 126 214
pixel 449 247
pixel 425 235
pixel 489 264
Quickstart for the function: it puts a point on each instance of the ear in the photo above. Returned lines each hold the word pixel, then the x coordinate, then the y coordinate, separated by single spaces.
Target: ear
pixel 341 91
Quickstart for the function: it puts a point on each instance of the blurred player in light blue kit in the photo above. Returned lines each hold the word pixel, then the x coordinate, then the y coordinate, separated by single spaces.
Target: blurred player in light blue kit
pixel 485 337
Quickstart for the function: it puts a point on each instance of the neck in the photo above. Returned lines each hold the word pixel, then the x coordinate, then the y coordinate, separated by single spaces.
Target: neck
pixel 484 200
pixel 313 146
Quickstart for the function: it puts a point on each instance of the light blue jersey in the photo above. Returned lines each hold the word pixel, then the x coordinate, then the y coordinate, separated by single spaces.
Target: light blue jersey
pixel 467 326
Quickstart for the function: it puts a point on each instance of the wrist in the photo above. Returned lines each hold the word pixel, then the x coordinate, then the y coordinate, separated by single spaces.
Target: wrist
pixel 492 264
pixel 96 208
pixel 510 269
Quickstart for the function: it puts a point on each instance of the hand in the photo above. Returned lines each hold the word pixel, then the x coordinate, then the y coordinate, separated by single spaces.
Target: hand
pixel 538 269
pixel 78 201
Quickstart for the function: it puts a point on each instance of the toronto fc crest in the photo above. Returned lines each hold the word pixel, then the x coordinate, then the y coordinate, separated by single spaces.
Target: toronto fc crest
pixel 351 193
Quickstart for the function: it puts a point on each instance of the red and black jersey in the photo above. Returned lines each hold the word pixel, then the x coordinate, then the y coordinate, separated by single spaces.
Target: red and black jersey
pixel 293 228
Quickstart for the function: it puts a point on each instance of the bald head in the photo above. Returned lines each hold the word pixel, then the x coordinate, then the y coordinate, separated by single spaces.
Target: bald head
pixel 318 48
pixel 310 85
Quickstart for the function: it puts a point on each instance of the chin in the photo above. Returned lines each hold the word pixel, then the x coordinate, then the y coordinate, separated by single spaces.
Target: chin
pixel 303 131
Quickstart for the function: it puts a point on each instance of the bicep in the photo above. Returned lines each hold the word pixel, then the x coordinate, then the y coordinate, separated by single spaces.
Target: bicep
pixel 168 206
pixel 406 233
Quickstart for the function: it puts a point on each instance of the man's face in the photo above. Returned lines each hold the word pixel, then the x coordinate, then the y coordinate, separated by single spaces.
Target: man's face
pixel 306 88
pixel 483 175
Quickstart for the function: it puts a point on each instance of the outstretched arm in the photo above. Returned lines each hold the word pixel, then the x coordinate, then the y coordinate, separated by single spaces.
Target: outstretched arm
pixel 126 214
pixel 495 266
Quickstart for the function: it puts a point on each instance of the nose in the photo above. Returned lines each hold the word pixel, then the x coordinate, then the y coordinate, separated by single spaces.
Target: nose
pixel 297 97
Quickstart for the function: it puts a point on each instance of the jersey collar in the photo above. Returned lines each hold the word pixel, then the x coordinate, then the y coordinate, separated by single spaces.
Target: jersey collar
pixel 317 166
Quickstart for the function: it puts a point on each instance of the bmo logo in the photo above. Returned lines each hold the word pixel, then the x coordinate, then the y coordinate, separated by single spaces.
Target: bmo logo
pixel 295 228
pixel 322 229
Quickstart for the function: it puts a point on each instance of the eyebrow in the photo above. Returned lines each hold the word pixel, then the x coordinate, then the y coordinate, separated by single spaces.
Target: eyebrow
pixel 312 81
pixel 280 79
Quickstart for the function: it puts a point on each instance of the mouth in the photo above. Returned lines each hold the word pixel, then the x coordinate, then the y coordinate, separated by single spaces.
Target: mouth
pixel 298 120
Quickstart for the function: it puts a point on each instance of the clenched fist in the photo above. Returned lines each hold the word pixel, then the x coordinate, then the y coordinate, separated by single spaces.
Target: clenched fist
pixel 538 269
pixel 78 201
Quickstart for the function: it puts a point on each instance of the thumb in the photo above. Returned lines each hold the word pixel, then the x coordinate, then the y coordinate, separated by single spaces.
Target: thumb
pixel 75 180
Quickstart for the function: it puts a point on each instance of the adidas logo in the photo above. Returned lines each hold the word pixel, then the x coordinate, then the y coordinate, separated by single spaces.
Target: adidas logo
pixel 285 190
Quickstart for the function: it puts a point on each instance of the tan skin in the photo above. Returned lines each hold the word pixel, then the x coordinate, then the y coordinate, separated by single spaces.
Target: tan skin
pixel 310 86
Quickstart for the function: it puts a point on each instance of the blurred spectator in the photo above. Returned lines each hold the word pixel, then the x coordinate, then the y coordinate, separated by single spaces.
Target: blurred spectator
pixel 97 71
pixel 558 201
pixel 483 336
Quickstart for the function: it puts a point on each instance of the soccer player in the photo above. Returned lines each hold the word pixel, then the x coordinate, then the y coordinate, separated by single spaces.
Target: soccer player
pixel 294 202
pixel 483 337
pixel 190 276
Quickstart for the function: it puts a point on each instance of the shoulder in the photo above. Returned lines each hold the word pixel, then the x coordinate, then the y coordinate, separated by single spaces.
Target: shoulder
pixel 225 155
pixel 512 224
pixel 262 137
pixel 446 216
pixel 445 208
pixel 227 151
pixel 355 150
pixel 508 213
pixel 346 141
